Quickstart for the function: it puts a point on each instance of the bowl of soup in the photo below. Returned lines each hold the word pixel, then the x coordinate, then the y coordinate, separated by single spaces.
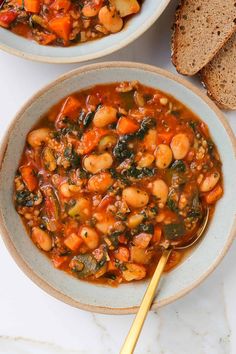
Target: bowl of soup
pixel 65 31
pixel 103 167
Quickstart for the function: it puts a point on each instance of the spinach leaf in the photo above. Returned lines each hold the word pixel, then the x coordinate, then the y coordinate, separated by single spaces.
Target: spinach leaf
pixel 24 198
pixel 172 205
pixel 139 173
pixel 178 165
pixel 72 157
pixel 146 124
pixel 174 231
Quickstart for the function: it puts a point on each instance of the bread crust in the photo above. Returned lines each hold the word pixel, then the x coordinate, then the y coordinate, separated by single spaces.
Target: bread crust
pixel 219 76
pixel 180 46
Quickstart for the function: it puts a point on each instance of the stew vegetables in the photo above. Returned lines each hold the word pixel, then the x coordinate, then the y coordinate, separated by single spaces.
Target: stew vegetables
pixel 110 174
pixel 65 22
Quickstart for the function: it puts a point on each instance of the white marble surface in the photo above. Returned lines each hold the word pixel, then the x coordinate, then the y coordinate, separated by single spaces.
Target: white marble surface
pixel 32 322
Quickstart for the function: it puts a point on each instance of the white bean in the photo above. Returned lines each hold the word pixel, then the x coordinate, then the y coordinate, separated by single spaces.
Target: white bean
pixel 96 163
pixel 163 156
pixel 209 182
pixel 100 182
pixel 104 116
pixel 146 160
pixel 91 8
pixel 135 197
pixel 110 19
pixel 90 237
pixel 42 239
pixel 180 146
pixel 160 190
pixel 37 137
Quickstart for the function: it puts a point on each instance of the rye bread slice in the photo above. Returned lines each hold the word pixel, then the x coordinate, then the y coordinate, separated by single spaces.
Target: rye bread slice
pixel 219 76
pixel 201 28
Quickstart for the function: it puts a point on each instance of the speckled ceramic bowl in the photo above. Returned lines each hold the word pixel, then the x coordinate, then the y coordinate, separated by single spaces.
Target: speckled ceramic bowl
pixel 137 25
pixel 126 298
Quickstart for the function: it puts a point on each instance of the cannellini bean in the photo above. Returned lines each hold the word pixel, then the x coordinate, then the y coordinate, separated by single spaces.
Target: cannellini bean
pixel 180 146
pixel 110 19
pixel 37 137
pixel 160 190
pixel 146 160
pixel 133 272
pixel 91 8
pixel 42 239
pixel 209 182
pixel 100 182
pixel 90 237
pixel 150 139
pixel 134 220
pixel 163 156
pixel 135 197
pixel 104 116
pixel 96 163
pixel 104 222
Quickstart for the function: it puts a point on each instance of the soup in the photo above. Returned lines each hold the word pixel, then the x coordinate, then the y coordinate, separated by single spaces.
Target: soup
pixel 112 173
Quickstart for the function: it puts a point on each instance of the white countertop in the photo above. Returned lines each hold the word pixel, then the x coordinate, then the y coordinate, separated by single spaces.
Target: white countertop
pixel 203 322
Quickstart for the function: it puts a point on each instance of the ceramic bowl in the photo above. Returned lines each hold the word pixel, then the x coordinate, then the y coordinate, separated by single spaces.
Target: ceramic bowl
pixel 126 298
pixel 138 24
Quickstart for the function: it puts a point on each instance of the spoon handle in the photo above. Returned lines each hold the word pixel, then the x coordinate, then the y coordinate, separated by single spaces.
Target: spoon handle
pixel 133 335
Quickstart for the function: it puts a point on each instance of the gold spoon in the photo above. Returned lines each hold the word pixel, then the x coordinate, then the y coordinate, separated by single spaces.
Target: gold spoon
pixel 132 338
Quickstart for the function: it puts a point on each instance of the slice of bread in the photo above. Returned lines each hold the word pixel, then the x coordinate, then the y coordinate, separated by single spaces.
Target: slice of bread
pixel 219 76
pixel 202 27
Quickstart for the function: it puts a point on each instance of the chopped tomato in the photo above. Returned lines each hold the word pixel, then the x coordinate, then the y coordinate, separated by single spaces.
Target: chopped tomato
pixel 29 177
pixel 32 6
pixel 61 26
pixel 61 5
pixel 59 260
pixel 90 140
pixel 122 254
pixel 7 17
pixel 127 126
pixel 73 242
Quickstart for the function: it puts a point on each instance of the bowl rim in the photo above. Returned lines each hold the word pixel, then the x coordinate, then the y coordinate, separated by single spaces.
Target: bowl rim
pixel 86 57
pixel 43 284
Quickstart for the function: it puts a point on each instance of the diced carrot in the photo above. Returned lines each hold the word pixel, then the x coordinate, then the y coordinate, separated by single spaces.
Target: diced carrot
pixel 107 200
pixel 45 38
pixel 73 241
pixel 156 238
pixel 32 6
pixel 70 105
pixel 122 254
pixel 164 137
pixel 61 5
pixel 215 194
pixel 173 260
pixel 127 125
pixel 29 177
pixel 90 140
pixel 59 260
pixel 61 26
pixel 111 265
pixel 122 239
pixel 6 18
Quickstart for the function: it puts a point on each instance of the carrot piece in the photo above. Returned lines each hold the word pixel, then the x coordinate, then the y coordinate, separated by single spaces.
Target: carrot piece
pixel 164 137
pixel 61 26
pixel 105 202
pixel 32 6
pixel 73 241
pixel 122 254
pixel 45 38
pixel 61 5
pixel 29 177
pixel 6 18
pixel 122 239
pixel 215 194
pixel 90 140
pixel 111 265
pixel 156 238
pixel 70 105
pixel 127 125
pixel 59 260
